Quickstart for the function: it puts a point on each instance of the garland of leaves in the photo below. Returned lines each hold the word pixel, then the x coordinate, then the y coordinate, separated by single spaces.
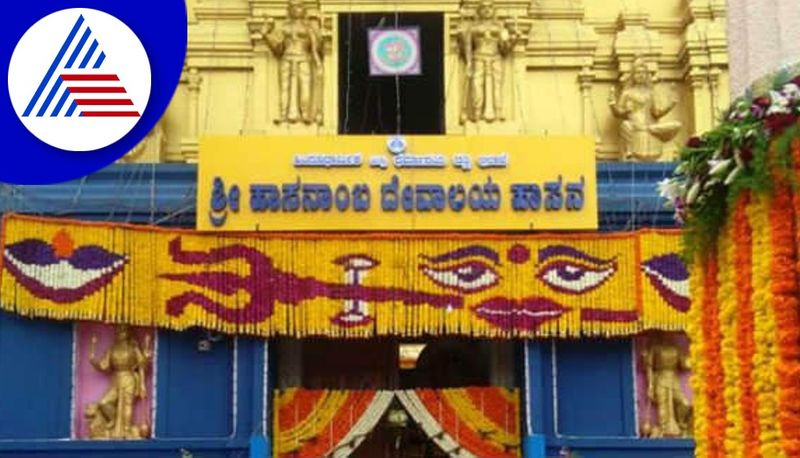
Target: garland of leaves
pixel 715 168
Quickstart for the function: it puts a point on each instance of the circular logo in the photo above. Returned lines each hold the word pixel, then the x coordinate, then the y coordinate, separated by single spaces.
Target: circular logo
pixel 396 144
pixel 395 52
pixel 79 79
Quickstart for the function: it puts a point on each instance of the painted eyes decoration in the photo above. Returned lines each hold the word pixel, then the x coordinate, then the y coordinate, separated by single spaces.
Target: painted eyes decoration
pixel 669 276
pixel 571 271
pixel 59 271
pixel 470 275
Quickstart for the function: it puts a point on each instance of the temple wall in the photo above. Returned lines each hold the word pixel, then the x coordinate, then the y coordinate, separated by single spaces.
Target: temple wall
pixel 754 52
pixel 557 80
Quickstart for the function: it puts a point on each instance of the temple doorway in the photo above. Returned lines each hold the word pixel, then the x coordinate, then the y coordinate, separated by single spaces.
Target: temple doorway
pixel 422 378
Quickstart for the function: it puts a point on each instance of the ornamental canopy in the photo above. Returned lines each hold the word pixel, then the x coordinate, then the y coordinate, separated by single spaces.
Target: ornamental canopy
pixel 345 285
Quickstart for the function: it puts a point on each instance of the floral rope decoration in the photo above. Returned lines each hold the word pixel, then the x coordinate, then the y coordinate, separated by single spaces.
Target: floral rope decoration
pixel 787 310
pixel 712 362
pixel 322 423
pixel 765 332
pixel 726 298
pixel 745 339
pixel 697 280
pixel 345 285
pixel 715 168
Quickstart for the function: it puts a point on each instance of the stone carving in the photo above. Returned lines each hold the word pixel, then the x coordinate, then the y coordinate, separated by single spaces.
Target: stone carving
pixel 642 134
pixel 664 361
pixel 297 44
pixel 484 42
pixel 126 363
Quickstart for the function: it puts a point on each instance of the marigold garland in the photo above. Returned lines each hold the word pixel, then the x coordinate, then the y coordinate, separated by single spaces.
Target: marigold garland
pixel 697 347
pixel 345 285
pixel 313 423
pixel 738 188
pixel 727 300
pixel 787 310
pixel 712 361
pixel 765 331
pixel 745 339
pixel 483 421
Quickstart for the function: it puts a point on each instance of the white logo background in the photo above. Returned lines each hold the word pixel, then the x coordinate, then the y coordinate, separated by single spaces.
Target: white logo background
pixel 124 56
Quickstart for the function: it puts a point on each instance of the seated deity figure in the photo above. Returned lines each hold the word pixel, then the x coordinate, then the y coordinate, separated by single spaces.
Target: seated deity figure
pixel 485 42
pixel 297 44
pixel 642 133
pixel 664 362
pixel 125 362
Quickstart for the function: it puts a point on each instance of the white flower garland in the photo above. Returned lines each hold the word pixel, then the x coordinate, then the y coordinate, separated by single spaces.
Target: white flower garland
pixel 432 428
pixel 364 425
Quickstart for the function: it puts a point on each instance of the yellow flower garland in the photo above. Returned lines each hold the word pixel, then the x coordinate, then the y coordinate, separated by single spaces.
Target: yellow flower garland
pixel 765 354
pixel 727 299
pixel 696 352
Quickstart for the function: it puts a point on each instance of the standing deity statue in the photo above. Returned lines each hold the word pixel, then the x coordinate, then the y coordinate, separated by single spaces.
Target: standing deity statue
pixel 484 44
pixel 297 43
pixel 640 110
pixel 664 362
pixel 126 362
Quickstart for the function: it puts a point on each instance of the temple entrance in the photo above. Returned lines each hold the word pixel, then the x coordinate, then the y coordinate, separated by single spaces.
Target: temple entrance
pixel 420 386
pixel 397 436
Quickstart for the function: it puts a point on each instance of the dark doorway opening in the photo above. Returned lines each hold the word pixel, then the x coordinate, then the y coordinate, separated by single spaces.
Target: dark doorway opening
pixel 388 104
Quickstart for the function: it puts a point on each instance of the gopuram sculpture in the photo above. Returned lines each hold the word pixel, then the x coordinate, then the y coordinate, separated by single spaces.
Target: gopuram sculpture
pixel 642 134
pixel 664 362
pixel 297 44
pixel 126 363
pixel 485 42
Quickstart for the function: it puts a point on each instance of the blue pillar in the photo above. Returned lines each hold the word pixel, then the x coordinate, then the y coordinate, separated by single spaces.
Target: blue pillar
pixel 260 446
pixel 533 446
pixel 536 425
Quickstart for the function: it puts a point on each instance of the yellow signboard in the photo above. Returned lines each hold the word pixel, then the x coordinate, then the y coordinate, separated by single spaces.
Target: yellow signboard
pixel 293 183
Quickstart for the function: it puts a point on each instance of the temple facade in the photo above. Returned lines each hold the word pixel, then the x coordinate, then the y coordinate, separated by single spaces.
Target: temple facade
pixel 179 304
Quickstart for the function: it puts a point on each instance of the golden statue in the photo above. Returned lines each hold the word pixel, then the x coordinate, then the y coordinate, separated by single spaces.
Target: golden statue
pixel 640 110
pixel 297 44
pixel 126 362
pixel 664 361
pixel 484 43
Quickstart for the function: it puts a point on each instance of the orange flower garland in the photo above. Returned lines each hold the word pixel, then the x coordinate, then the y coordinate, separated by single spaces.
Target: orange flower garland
pixel 787 310
pixel 712 363
pixel 476 431
pixel 310 423
pixel 745 339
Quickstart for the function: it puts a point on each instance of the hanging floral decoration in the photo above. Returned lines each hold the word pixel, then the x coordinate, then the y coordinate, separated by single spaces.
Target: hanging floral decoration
pixel 737 190
pixel 345 285
pixel 714 168
pixel 325 423
pixel 473 422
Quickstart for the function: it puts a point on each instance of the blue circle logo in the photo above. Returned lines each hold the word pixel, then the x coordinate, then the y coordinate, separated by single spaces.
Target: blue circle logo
pixel 85 84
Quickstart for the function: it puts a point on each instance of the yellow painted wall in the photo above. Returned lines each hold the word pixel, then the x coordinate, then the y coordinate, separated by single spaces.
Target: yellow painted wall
pixel 557 81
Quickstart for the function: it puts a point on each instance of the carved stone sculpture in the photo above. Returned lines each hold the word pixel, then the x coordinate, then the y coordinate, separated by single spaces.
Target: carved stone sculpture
pixel 125 362
pixel 297 43
pixel 484 42
pixel 664 361
pixel 642 134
